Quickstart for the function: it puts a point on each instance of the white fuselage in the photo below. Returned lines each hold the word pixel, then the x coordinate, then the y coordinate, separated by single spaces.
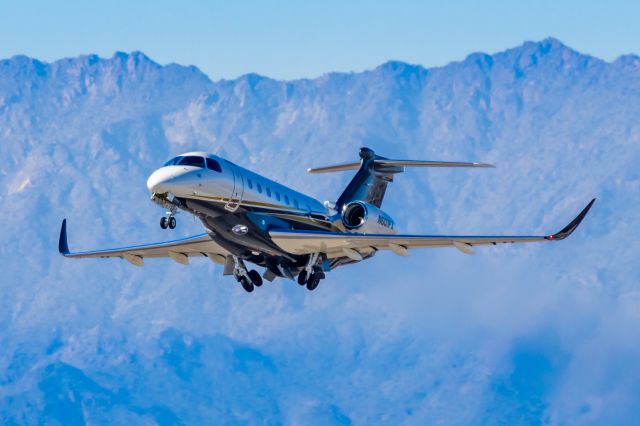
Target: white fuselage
pixel 221 181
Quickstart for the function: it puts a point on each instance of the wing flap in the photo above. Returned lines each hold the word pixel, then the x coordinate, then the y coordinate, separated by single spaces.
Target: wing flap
pixel 305 242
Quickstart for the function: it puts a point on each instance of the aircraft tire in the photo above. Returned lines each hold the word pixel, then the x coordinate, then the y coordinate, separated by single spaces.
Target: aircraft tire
pixel 172 222
pixel 163 222
pixel 246 284
pixel 313 282
pixel 302 277
pixel 255 278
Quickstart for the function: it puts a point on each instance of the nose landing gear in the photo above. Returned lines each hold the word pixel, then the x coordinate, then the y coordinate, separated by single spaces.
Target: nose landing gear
pixel 168 222
pixel 168 202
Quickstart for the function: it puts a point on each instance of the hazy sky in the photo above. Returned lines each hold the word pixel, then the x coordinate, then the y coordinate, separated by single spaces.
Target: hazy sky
pixel 306 39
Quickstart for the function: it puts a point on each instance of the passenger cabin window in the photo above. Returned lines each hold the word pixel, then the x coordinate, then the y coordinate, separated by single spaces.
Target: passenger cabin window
pixel 249 184
pixel 213 165
pixel 192 160
pixel 277 196
pixel 269 192
pixel 286 200
pixel 295 202
pixel 259 188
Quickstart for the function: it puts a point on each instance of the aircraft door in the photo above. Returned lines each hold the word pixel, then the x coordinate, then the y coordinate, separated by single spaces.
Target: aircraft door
pixel 237 192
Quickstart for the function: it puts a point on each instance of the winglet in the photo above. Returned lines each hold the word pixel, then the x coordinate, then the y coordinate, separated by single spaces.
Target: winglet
pixel 63 247
pixel 567 230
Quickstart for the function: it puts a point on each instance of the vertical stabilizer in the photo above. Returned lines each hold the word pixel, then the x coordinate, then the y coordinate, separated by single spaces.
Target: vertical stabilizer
pixel 375 172
pixel 368 185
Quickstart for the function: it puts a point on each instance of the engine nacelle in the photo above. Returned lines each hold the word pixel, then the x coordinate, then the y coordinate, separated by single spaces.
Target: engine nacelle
pixel 364 218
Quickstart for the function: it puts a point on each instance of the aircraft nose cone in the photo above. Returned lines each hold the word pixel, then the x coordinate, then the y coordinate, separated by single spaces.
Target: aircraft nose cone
pixel 162 180
pixel 154 182
pixel 176 180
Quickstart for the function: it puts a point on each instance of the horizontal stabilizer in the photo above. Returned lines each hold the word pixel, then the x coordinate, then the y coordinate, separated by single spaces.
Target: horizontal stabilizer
pixel 374 173
pixel 336 168
pixel 395 166
pixel 417 163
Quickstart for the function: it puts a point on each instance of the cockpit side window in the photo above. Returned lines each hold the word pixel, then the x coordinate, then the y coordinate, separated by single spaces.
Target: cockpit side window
pixel 213 165
pixel 173 161
pixel 192 160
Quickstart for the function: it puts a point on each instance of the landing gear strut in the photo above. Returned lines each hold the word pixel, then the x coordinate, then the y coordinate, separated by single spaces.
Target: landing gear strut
pixel 312 274
pixel 247 279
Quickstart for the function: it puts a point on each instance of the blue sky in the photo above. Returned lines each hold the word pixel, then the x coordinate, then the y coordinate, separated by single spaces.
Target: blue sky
pixel 306 39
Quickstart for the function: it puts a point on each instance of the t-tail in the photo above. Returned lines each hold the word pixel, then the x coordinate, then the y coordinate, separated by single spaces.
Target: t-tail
pixel 374 174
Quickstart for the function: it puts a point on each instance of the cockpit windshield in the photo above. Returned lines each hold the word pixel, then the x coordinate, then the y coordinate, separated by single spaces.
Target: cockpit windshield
pixel 187 160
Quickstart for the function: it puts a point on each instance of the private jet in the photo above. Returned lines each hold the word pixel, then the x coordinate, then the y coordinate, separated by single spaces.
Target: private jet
pixel 248 218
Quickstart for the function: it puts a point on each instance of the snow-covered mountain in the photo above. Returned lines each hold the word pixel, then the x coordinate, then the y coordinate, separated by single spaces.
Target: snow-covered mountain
pixel 516 335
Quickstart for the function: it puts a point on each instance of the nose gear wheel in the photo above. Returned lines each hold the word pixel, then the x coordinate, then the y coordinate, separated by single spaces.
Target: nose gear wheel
pixel 168 222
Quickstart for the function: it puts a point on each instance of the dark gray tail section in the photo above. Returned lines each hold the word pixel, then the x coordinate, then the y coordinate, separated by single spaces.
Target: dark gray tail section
pixel 370 182
pixel 374 174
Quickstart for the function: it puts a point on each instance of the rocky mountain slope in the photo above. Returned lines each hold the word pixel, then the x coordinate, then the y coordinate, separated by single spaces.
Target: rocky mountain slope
pixel 515 335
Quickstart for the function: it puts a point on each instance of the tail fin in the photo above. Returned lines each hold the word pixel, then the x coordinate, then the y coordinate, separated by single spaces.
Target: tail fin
pixel 375 172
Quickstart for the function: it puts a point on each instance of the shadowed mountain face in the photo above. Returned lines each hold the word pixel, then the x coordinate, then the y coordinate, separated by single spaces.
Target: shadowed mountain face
pixel 516 335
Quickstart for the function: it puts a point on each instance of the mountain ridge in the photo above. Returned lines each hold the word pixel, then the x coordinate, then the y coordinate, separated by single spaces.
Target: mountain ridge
pixel 512 335
pixel 544 46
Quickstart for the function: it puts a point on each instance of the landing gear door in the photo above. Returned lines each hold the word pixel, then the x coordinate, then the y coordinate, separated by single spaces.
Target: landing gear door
pixel 238 189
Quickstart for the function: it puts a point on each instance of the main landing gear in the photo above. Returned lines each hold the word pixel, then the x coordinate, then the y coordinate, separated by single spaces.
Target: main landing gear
pixel 247 279
pixel 312 274
pixel 169 222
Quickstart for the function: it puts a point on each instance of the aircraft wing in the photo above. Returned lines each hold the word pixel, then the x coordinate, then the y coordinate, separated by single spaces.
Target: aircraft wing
pixel 179 250
pixel 336 244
